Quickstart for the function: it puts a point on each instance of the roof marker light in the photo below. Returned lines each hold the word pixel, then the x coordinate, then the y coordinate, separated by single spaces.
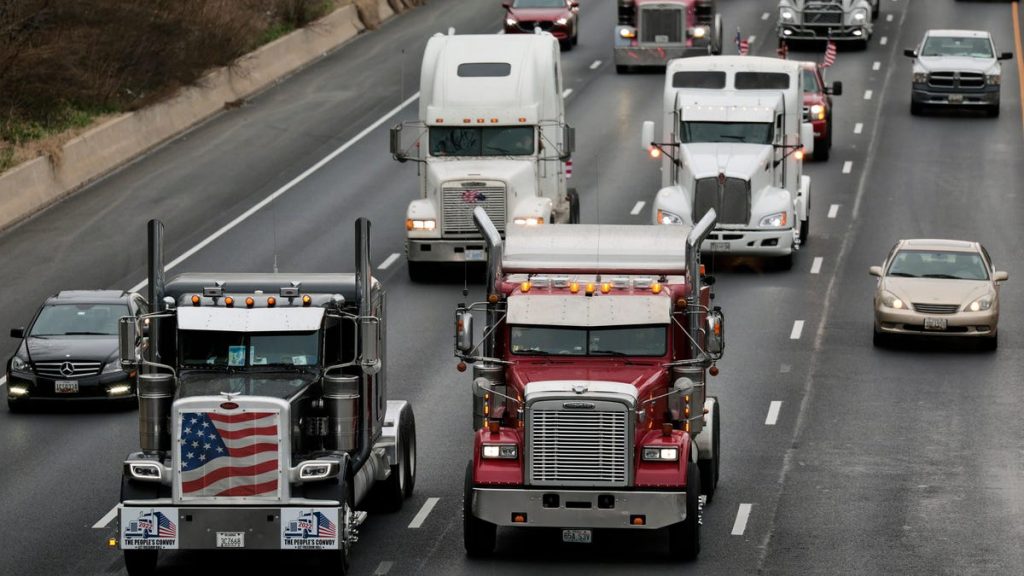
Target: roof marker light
pixel 271 301
pixel 525 286
pixel 590 288
pixel 306 300
pixel 250 302
pixel 229 301
pixel 574 287
pixel 606 287
pixel 656 287
pixel 195 300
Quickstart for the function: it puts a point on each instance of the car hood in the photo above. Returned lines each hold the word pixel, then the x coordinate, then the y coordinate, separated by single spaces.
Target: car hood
pixel 936 290
pixel 56 348
pixel 539 14
pixel 276 385
pixel 956 63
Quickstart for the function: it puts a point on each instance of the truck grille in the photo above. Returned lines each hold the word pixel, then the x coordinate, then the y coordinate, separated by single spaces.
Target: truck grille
pixel 936 308
pixel 582 448
pixel 458 204
pixel 972 80
pixel 68 369
pixel 731 201
pixel 661 25
pixel 823 16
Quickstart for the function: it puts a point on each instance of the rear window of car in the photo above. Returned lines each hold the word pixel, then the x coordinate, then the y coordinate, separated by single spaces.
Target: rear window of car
pixel 711 80
pixel 762 81
pixel 484 69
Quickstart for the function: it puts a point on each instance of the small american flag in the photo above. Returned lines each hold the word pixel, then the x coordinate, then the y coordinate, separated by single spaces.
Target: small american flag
pixel 830 55
pixel 325 528
pixel 473 196
pixel 229 455
pixel 783 50
pixel 742 44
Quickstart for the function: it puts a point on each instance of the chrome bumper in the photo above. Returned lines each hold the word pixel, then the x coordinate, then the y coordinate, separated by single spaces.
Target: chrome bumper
pixel 445 250
pixel 750 242
pixel 923 94
pixel 578 508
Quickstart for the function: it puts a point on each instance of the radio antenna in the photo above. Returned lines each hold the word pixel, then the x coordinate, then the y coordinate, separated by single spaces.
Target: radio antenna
pixel 273 214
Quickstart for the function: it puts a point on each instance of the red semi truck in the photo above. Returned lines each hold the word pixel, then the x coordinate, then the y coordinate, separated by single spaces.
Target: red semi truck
pixel 590 402
pixel 649 33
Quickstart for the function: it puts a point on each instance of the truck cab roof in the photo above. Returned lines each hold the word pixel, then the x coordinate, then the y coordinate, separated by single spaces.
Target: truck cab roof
pixel 271 284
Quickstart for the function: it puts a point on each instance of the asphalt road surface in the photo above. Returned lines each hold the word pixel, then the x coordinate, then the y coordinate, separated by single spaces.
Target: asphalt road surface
pixel 838 458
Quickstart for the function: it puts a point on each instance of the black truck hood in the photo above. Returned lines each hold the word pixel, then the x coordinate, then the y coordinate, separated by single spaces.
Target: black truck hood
pixel 57 348
pixel 275 385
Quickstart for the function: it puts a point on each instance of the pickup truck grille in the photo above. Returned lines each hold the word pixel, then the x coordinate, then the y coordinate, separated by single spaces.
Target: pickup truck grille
pixel 731 201
pixel 661 25
pixel 457 204
pixel 67 369
pixel 970 80
pixel 936 308
pixel 578 447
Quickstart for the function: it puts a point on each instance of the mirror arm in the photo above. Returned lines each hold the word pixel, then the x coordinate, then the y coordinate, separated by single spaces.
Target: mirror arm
pixel 661 147
pixel 170 369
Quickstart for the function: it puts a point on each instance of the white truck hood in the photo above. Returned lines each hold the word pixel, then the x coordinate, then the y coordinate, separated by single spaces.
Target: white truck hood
pixel 801 4
pixel 505 169
pixel 736 160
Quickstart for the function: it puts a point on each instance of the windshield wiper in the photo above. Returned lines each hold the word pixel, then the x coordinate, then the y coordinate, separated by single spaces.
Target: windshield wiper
pixel 904 274
pixel 732 137
pixel 947 276
pixel 87 334
pixel 607 353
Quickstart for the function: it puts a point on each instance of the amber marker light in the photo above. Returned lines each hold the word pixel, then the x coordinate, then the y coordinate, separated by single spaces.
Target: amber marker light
pixel 229 301
pixel 250 302
pixel 799 154
pixel 654 152
pixel 492 298
pixel 525 286
pixel 656 287
pixel 606 287
pixel 574 287
pixel 306 300
pixel 493 426
pixel 590 288
pixel 195 300
pixel 271 301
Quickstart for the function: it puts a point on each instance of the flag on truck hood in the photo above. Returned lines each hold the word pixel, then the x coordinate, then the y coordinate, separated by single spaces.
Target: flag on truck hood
pixel 830 55
pixel 229 454
pixel 742 44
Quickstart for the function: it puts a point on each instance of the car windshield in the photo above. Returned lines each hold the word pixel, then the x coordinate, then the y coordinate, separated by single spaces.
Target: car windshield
pixel 957 46
pixel 810 82
pixel 208 349
pixel 717 132
pixel 539 4
pixel 489 141
pixel 572 341
pixel 935 264
pixel 79 320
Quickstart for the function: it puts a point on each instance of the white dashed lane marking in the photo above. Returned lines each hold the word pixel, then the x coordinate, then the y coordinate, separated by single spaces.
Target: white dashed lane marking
pixel 833 210
pixel 102 523
pixel 858 127
pixel 888 17
pixel 383 568
pixel 566 92
pixel 883 41
pixel 389 261
pixel 637 208
pixel 798 329
pixel 847 166
pixel 421 516
pixel 876 66
pixel 595 65
pixel 773 413
pixel 3 380
pixel 868 94
pixel 742 515
pixel 765 16
pixel 816 265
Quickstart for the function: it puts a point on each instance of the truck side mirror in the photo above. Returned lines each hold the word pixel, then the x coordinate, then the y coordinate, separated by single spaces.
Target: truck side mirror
pixel 875 271
pixel 836 89
pixel 128 341
pixel 369 343
pixel 395 138
pixel 715 341
pixel 910 53
pixel 807 138
pixel 18 332
pixel 646 135
pixel 1006 56
pixel 568 142
pixel 464 331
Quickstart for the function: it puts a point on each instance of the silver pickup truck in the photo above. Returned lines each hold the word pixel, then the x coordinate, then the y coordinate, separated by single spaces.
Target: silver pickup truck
pixel 956 68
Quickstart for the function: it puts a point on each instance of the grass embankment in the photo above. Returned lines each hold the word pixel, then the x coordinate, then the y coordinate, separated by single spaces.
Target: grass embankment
pixel 65 63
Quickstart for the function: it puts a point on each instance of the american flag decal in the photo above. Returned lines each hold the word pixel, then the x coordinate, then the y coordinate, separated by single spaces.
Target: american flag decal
pixel 229 455
pixel 154 525
pixel 473 196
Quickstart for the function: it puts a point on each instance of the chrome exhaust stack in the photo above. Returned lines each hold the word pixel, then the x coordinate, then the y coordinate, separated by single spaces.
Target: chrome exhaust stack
pixel 494 373
pixel 369 359
pixel 155 388
pixel 694 240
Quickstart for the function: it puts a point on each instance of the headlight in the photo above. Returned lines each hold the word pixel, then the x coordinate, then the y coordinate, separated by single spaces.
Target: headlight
pixel 499 451
pixel 119 390
pixel 661 454
pixel 19 365
pixel 889 300
pixel 112 367
pixel 777 220
pixel 920 77
pixel 510 21
pixel 699 32
pixel 562 21
pixel 983 303
pixel 860 16
pixel 666 217
pixel 627 32
pixel 531 221
pixel 993 79
pixel 818 112
pixel 786 14
pixel 420 225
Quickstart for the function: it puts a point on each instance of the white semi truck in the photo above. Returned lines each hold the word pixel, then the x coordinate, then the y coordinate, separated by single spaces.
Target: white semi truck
pixel 492 133
pixel 733 140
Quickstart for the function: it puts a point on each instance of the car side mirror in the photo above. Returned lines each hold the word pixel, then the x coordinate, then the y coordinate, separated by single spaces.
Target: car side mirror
pixel 910 53
pixel 1006 56
pixel 836 89
pixel 1001 276
pixel 647 135
pixel 18 332
pixel 369 342
pixel 875 271
pixel 464 331
pixel 128 341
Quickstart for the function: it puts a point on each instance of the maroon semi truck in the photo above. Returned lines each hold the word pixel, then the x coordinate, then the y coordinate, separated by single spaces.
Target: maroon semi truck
pixel 589 376
pixel 652 32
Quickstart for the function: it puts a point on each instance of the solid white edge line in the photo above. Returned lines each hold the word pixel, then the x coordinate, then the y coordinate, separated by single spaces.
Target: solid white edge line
pixel 103 522
pixel 421 516
pixel 566 92
pixel 816 265
pixel 595 65
pixel 383 568
pixel 742 515
pixel 847 166
pixel 876 66
pixel 833 210
pixel 3 380
pixel 858 127
pixel 883 41
pixel 868 94
pixel 773 413
pixel 637 208
pixel 389 261
pixel 798 329
pixel 282 190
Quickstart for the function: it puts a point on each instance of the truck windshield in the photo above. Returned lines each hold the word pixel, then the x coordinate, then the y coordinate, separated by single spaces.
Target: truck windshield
pixel 571 341
pixel 207 349
pixel 484 141
pixel 716 132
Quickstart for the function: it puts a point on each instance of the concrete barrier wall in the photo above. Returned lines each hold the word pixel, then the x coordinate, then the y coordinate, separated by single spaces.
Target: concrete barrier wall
pixel 34 185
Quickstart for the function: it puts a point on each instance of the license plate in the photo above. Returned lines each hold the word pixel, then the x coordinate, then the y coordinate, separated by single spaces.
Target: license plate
pixel 475 256
pixel 65 386
pixel 661 38
pixel 956 98
pixel 934 323
pixel 230 539
pixel 578 536
pixel 719 246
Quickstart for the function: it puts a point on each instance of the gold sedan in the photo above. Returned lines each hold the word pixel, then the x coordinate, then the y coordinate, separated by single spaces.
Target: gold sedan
pixel 938 287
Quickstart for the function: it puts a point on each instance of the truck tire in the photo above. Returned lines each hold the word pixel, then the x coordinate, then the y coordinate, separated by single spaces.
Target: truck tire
pixel 419 271
pixel 784 262
pixel 805 230
pixel 709 468
pixel 574 206
pixel 621 69
pixel 479 537
pixel 566 44
pixel 337 561
pixel 140 562
pixel 684 537
pixel 399 485
pixel 823 149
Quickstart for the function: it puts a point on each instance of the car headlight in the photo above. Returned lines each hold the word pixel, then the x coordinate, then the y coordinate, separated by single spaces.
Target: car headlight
pixel 983 303
pixel 777 220
pixel 510 21
pixel 626 32
pixel 666 217
pixel 889 300
pixel 661 454
pixel 562 21
pixel 529 221
pixel 818 112
pixel 787 15
pixel 19 364
pixel 860 16
pixel 920 77
pixel 112 367
pixel 499 451
pixel 699 32
pixel 993 79
pixel 420 225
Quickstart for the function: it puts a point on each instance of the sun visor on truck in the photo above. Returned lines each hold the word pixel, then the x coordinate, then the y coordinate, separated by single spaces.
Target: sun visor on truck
pixel 593 248
pixel 250 320
pixel 579 310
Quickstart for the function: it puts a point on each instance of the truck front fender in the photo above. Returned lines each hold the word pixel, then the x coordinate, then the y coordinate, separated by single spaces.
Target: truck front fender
pixel 802 202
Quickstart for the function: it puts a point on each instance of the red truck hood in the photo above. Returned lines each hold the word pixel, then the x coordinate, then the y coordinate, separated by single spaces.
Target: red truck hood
pixel 644 376
pixel 539 14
